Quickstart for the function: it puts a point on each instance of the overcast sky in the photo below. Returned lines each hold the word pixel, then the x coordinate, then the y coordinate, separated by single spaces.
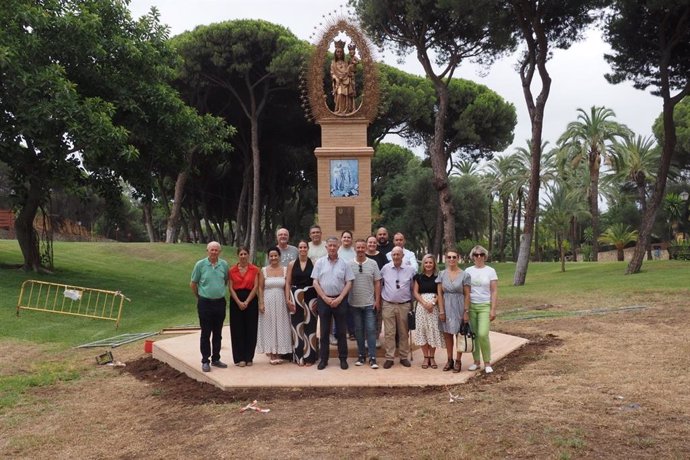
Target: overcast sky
pixel 577 73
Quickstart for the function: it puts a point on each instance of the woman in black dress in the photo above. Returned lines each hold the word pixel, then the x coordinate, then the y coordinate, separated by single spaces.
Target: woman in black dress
pixel 300 294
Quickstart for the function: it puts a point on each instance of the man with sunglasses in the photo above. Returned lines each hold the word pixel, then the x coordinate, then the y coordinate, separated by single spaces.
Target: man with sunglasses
pixel 397 302
pixel 365 301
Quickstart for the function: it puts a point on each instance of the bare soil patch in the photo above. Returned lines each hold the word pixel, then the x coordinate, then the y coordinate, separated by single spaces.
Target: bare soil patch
pixel 607 386
pixel 175 386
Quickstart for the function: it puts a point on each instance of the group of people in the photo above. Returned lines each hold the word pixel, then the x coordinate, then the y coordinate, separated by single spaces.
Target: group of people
pixel 348 288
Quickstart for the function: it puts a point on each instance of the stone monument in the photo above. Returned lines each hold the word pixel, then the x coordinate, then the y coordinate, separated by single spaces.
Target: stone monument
pixel 344 109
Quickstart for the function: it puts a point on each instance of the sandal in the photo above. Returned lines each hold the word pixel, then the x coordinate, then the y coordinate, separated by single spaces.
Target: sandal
pixel 432 363
pixel 457 367
pixel 449 365
pixel 425 363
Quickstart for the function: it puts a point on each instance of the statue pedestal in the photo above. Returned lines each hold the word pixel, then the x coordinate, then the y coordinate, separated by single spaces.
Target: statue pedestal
pixel 343 167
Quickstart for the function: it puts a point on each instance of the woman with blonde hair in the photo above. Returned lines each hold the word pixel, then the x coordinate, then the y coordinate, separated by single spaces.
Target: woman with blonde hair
pixel 482 307
pixel 455 284
pixel 427 292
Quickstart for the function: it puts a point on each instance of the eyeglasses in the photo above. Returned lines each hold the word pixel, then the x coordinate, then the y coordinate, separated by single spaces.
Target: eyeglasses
pixel 478 254
pixel 360 268
pixel 397 284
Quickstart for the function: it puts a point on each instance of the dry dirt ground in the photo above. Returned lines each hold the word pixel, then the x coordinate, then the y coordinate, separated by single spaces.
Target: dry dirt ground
pixel 608 386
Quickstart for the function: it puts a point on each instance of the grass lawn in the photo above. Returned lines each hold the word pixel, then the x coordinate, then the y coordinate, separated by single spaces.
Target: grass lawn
pixel 156 278
pixel 604 386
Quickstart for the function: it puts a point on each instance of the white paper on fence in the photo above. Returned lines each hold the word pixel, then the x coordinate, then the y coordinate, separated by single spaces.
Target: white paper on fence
pixel 72 294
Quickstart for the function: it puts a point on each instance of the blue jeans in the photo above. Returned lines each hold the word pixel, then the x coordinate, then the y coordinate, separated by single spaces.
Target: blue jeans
pixel 365 327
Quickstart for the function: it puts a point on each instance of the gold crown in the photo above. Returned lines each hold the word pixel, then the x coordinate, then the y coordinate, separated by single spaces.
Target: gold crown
pixel 339 44
pixel 351 46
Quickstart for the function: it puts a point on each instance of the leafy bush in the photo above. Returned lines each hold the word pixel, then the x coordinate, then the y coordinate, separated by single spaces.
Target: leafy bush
pixel 586 251
pixel 679 250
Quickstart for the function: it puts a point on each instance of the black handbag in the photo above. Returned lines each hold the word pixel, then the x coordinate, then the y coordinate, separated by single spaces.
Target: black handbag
pixel 465 339
pixel 411 320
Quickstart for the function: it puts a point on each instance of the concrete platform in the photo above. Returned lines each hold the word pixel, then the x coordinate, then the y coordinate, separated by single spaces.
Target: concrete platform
pixel 182 353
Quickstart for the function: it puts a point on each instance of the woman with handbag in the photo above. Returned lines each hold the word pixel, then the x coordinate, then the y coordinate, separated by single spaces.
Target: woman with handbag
pixel 455 285
pixel 427 293
pixel 482 307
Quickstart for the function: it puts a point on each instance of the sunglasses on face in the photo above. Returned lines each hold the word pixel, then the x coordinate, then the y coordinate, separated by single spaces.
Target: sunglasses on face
pixel 451 257
pixel 478 254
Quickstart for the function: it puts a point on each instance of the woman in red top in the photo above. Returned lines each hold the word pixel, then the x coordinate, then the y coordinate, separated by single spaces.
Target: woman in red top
pixel 244 309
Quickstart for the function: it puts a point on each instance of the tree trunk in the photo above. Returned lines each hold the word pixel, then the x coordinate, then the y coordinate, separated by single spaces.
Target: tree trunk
pixel 185 236
pixel 594 202
pixel 256 182
pixel 148 221
pixel 438 234
pixel 513 252
pixel 504 232
pixel 648 218
pixel 221 235
pixel 537 247
pixel 491 225
pixel 562 253
pixel 517 231
pixel 535 59
pixel 26 234
pixel 240 231
pixel 173 225
pixel 620 254
pixel 439 163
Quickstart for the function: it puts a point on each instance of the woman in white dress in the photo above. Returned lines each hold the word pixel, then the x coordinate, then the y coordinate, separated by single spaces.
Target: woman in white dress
pixel 427 334
pixel 274 328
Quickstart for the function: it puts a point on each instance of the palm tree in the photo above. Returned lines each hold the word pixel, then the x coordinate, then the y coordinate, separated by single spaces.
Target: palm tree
pixel 520 181
pixel 500 173
pixel 589 139
pixel 673 207
pixel 562 207
pixel 635 161
pixel 618 235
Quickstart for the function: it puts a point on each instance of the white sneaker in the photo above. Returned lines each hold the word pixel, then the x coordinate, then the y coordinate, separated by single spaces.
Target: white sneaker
pixel 473 367
pixel 488 369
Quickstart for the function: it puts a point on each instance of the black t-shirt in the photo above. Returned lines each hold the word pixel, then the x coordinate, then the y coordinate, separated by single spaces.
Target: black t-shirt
pixel 427 284
pixel 379 258
pixel 385 248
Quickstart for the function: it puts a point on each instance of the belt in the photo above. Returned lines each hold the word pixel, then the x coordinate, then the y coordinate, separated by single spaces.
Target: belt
pixel 206 298
pixel 397 303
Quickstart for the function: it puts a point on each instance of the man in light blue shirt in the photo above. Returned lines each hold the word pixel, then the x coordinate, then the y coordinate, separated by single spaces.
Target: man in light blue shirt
pixel 332 281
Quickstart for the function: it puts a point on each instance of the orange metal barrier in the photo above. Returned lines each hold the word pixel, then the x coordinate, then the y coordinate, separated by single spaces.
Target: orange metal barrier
pixel 71 300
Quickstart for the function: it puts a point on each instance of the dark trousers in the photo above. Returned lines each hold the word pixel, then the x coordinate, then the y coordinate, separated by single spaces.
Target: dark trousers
pixel 339 313
pixel 211 317
pixel 243 324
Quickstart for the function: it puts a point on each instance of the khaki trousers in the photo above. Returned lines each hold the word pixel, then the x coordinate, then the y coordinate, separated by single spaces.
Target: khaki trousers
pixel 395 319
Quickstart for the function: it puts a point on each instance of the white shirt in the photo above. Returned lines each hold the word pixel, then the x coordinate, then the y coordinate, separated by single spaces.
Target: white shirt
pixel 316 251
pixel 408 259
pixel 481 279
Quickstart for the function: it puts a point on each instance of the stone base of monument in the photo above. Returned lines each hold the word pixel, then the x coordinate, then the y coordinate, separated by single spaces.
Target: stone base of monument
pixel 182 353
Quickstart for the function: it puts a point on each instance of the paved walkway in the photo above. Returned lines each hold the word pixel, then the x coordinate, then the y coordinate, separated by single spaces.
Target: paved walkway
pixel 182 353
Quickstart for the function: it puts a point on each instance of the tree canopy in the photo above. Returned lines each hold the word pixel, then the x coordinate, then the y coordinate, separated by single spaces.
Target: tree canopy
pixel 80 81
pixel 650 42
